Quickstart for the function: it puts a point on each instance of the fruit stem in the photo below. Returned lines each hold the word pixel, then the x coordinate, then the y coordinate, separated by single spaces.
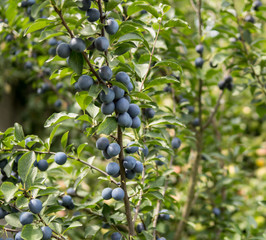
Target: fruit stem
pixel 124 185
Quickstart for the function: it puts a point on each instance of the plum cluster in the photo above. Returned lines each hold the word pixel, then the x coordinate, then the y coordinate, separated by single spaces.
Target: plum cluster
pixel 227 82
pixel 199 61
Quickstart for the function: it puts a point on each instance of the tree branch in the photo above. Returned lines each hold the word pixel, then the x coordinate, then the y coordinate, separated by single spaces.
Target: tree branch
pixel 214 111
pixel 151 55
pixel 123 184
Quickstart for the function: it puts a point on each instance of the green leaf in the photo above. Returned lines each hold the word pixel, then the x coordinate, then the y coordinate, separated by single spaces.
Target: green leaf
pixel 91 230
pixel 141 96
pixel 52 134
pixel 24 164
pixel 75 61
pixel 169 63
pixel 107 126
pixel 111 4
pixel 35 9
pixel 176 22
pixel 38 25
pixel 73 225
pixel 124 47
pixel 157 195
pixel 30 232
pixel 8 189
pixel 11 11
pixel 81 176
pixel 64 140
pixel 83 99
pixel 80 148
pixel 147 235
pixel 59 117
pixel 13 220
pixel 161 81
pixel 19 134
pixel 142 5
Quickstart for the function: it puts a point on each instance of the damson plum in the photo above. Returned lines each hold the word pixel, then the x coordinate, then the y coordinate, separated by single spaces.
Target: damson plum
pixel 101 44
pixel 111 26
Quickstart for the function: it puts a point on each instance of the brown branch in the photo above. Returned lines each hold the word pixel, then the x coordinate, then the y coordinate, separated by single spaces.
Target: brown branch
pixel 124 186
pixel 69 156
pixel 10 230
pixel 59 12
pixel 214 111
pixel 151 55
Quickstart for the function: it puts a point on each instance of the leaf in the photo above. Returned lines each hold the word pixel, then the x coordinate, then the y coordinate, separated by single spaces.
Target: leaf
pixel 157 195
pixel 64 140
pixel 142 5
pixel 147 235
pixel 11 11
pixel 124 47
pixel 141 96
pixel 169 63
pixel 31 233
pixel 161 81
pixel 91 230
pixel 219 58
pixel 59 117
pixel 52 134
pixel 38 25
pixel 81 176
pixel 8 189
pixel 80 148
pixel 35 9
pixel 19 134
pixel 111 4
pixel 24 165
pixel 107 126
pixel 13 220
pixel 75 61
pixel 74 225
pixel 176 22
pixel 83 99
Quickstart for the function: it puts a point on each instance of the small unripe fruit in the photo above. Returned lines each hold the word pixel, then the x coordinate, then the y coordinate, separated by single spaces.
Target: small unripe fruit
pixel 113 149
pixel 130 174
pixel 26 218
pixel 77 45
pixel 71 191
pixel 63 50
pixel 102 143
pixel 196 122
pixel 105 155
pixel 118 194
pixel 101 44
pixel 47 232
pixel 105 73
pixel 145 151
pixel 3 213
pixel 67 201
pixel 111 26
pixel 112 168
pixel 250 19
pixel 216 211
pixel 52 42
pixel 221 85
pixel 93 14
pixel 60 158
pixel 107 193
pixel 35 206
pixel 256 5
pixel 108 108
pixel 84 82
pixel 42 165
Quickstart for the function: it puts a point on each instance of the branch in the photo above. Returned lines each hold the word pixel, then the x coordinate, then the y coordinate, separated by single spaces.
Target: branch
pixel 59 12
pixel 151 55
pixel 71 157
pixel 10 230
pixel 214 111
pixel 257 77
pixel 124 185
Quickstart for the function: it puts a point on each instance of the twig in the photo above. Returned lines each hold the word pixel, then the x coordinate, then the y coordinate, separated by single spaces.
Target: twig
pixel 214 111
pixel 123 184
pixel 140 198
pixel 193 5
pixel 10 230
pixel 69 156
pixel 151 55
pixel 59 12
